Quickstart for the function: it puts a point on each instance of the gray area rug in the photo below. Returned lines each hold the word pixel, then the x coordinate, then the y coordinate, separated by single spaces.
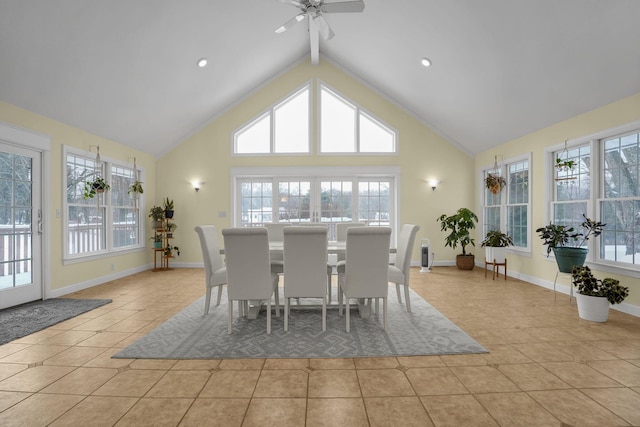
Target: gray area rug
pixel 22 320
pixel 191 335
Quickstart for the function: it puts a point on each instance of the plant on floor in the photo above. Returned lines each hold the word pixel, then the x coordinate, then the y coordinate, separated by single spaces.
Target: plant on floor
pixel 608 288
pixel 458 226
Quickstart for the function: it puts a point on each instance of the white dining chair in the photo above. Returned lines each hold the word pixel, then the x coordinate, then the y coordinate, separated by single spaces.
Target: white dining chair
pixel 399 271
pixel 341 236
pixel 249 275
pixel 214 270
pixel 275 233
pixel 306 271
pixel 364 272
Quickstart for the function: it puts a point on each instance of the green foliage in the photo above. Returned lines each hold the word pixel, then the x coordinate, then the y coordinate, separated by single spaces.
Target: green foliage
pixel 497 239
pixel 168 204
pixel 168 251
pixel 565 164
pixel 91 188
pixel 157 213
pixel 459 225
pixel 559 236
pixel 609 288
pixel 136 187
pixel 156 238
pixel 494 183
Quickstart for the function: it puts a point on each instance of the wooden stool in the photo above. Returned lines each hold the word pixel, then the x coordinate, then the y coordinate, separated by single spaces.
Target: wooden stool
pixel 495 267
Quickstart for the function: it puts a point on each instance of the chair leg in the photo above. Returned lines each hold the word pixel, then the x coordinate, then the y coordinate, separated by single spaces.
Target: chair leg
pixel 286 314
pixel 230 314
pixel 324 314
pixel 269 317
pixel 384 312
pixel 347 314
pixel 398 292
pixel 339 299
pixel 277 302
pixel 219 295
pixel 407 297
pixel 377 305
pixel 329 287
pixel 207 301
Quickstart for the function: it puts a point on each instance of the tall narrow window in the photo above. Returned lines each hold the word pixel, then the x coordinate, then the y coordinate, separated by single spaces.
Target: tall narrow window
pixel 508 209
pixel 620 203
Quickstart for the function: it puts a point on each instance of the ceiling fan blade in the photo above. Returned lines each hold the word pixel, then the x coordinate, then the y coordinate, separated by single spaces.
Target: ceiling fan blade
pixel 325 30
pixel 314 39
pixel 290 23
pixel 343 6
pixel 291 2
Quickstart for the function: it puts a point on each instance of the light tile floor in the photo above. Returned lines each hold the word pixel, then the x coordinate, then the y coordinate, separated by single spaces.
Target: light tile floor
pixel 545 367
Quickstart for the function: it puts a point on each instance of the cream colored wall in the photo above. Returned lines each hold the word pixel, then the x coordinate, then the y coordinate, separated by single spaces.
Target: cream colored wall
pixel 537 265
pixel 61 134
pixel 206 156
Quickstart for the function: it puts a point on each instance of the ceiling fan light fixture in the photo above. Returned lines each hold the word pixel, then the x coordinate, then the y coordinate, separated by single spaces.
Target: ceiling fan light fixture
pixel 426 62
pixel 202 62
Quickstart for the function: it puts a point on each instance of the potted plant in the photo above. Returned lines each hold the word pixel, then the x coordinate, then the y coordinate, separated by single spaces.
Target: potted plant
pixel 168 208
pixel 97 186
pixel 595 295
pixel 168 251
pixel 495 244
pixel 170 227
pixel 564 165
pixel 459 225
pixel 494 183
pixel 567 244
pixel 157 241
pixel 157 213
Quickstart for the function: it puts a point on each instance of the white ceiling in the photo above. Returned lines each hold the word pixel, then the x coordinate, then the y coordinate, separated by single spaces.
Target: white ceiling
pixel 126 70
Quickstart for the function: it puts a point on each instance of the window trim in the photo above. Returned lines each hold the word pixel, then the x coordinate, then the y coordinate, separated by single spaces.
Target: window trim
pixel 109 250
pixel 594 140
pixel 239 173
pixel 270 111
pixel 358 110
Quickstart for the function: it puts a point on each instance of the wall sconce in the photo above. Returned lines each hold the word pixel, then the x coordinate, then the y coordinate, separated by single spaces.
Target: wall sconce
pixel 196 185
pixel 433 183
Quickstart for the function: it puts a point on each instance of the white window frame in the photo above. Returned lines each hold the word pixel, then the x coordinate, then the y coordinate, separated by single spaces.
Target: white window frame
pixel 240 174
pixel 504 200
pixel 106 202
pixel 358 111
pixel 596 193
pixel 270 112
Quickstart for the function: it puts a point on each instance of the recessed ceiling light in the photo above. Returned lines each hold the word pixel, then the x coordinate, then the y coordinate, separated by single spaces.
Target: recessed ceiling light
pixel 202 62
pixel 426 62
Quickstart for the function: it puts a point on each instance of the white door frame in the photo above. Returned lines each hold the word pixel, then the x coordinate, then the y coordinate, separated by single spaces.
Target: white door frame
pixel 23 138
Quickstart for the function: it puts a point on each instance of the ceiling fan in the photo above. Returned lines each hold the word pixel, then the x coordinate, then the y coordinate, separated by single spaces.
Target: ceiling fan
pixel 314 10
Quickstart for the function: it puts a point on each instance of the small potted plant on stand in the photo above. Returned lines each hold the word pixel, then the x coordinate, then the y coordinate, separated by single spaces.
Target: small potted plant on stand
pixel 495 244
pixel 168 251
pixel 157 214
pixel 157 241
pixel 459 225
pixel 171 226
pixel 595 295
pixel 567 244
pixel 168 208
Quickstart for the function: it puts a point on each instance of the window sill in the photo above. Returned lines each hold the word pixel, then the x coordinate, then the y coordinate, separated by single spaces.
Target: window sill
pixel 101 255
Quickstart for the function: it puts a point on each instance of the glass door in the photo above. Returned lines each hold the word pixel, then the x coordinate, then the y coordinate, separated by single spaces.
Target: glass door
pixel 20 225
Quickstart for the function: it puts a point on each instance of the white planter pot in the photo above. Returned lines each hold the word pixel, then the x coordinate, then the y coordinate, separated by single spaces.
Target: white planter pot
pixel 494 253
pixel 594 309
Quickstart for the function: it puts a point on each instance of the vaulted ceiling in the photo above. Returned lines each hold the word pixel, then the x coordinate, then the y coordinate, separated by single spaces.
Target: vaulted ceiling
pixel 126 70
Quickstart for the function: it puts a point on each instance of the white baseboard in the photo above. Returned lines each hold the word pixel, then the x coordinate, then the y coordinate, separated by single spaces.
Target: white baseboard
pixel 55 293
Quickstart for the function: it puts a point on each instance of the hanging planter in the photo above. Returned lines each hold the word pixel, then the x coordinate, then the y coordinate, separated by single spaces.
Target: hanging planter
pixel 564 166
pixel 97 186
pixel 494 182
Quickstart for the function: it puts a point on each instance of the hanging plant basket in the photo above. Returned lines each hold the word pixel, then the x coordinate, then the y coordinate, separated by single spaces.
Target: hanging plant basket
pixel 494 183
